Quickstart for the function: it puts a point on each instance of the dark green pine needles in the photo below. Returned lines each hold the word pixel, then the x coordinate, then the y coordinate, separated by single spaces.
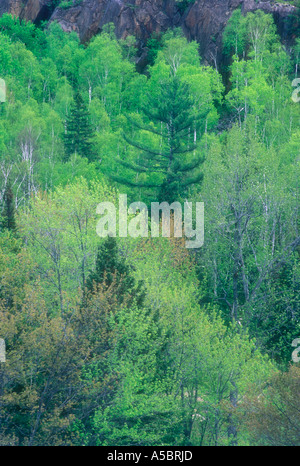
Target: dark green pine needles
pixel 171 168
pixel 111 269
pixel 78 137
pixel 8 214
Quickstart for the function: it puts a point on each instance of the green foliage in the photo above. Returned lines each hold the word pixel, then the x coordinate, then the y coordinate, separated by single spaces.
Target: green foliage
pixel 111 269
pixel 184 4
pixel 141 341
pixel 154 44
pixel 8 213
pixel 78 130
pixel 22 31
pixel 177 107
pixel 68 3
pixel 172 111
pixel 274 418
pixel 235 34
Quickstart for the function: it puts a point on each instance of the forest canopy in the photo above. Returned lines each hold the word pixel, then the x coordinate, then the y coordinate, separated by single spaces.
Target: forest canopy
pixel 140 341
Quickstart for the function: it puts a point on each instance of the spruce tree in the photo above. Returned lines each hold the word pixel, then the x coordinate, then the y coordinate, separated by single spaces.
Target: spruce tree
pixel 112 270
pixel 79 132
pixel 172 116
pixel 8 214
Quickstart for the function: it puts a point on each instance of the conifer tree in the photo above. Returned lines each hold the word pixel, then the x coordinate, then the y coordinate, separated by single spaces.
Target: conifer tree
pixel 8 213
pixel 173 118
pixel 79 132
pixel 112 270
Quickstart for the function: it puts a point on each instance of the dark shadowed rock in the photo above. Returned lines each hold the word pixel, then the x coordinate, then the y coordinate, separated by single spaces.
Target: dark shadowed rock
pixel 12 6
pixel 138 17
pixel 203 21
pixel 26 9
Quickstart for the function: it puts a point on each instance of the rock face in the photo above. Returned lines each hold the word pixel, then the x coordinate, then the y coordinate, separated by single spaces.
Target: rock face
pixel 206 19
pixel 138 17
pixel 203 21
pixel 28 9
pixel 12 6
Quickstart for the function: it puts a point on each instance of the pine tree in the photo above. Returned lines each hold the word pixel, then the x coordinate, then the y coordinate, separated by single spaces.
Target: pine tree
pixel 174 119
pixel 112 270
pixel 79 132
pixel 8 213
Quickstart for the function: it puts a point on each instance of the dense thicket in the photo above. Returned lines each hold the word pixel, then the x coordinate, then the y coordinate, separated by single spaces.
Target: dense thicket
pixel 140 341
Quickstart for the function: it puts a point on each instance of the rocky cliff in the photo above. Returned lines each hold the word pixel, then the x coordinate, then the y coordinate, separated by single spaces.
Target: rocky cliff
pixel 203 21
